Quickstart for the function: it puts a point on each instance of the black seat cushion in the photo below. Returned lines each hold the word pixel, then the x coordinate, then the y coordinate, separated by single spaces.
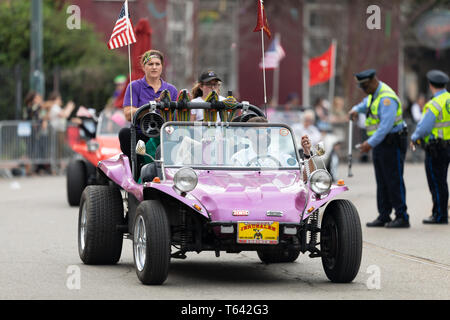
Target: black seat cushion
pixel 149 172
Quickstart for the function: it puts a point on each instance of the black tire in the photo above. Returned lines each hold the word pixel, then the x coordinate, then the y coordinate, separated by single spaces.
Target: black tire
pixel 102 241
pixel 76 179
pixel 274 255
pixel 341 241
pixel 153 268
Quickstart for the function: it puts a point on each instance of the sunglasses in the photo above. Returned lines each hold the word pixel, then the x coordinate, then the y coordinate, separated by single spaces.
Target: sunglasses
pixel 212 85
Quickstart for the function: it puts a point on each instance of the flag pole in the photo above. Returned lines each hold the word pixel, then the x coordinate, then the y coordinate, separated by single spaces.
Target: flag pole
pixel 129 71
pixel 263 63
pixel 129 60
pixel 333 70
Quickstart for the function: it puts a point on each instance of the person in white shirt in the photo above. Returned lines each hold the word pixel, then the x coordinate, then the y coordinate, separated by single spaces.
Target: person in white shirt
pixel 260 153
pixel 417 107
pixel 207 82
pixel 307 128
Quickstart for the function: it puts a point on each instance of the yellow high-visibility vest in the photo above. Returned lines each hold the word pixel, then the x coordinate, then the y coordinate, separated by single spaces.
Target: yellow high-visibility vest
pixel 440 106
pixel 372 119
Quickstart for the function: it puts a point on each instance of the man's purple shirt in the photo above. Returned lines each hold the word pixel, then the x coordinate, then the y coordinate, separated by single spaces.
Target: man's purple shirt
pixel 143 92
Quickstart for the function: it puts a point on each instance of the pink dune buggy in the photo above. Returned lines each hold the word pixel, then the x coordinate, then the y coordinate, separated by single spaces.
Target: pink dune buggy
pixel 217 186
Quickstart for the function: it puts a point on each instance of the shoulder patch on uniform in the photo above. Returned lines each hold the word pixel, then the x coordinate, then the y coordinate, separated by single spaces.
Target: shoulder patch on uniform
pixel 386 102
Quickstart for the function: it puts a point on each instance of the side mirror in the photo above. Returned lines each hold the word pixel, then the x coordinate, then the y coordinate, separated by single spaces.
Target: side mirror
pixel 140 148
pixel 142 151
pixel 320 149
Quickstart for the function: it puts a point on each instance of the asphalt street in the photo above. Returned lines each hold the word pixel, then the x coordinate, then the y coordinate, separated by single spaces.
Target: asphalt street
pixel 39 256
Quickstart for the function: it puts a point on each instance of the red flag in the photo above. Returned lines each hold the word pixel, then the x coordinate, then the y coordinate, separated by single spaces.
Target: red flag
pixel 321 68
pixel 123 33
pixel 261 23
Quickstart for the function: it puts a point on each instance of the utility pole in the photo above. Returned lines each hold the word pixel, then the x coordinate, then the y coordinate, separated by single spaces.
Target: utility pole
pixel 306 52
pixel 37 80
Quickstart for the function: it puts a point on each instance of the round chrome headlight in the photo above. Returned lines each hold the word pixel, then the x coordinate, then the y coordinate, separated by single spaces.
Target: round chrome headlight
pixel 320 181
pixel 185 179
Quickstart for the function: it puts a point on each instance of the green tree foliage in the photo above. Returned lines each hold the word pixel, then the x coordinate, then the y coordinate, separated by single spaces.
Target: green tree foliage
pixel 86 65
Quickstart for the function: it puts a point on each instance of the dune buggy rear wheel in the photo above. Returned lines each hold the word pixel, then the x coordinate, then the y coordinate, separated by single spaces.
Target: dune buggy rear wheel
pixel 151 242
pixel 101 211
pixel 76 179
pixel 341 241
pixel 275 255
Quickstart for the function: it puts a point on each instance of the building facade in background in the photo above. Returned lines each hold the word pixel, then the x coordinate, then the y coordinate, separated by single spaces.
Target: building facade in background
pixel 197 35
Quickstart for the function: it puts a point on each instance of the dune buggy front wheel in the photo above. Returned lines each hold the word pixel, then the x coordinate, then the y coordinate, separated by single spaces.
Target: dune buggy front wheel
pixel 151 242
pixel 341 241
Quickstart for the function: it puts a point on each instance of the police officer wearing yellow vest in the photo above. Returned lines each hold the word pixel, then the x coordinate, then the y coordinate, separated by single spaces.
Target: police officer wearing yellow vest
pixel 433 134
pixel 388 138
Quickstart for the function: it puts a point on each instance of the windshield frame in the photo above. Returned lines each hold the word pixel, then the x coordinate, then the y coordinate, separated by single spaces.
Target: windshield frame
pixel 229 124
pixel 102 118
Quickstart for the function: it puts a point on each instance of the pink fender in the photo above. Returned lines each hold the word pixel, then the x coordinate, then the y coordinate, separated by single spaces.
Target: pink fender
pixel 189 200
pixel 317 203
pixel 118 170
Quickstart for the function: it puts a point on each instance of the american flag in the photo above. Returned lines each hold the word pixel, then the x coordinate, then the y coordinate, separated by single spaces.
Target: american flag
pixel 273 55
pixel 123 33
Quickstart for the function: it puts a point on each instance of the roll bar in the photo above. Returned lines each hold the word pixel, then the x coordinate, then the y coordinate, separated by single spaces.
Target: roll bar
pixel 172 106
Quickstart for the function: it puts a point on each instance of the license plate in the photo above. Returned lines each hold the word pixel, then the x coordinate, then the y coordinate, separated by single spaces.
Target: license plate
pixel 258 232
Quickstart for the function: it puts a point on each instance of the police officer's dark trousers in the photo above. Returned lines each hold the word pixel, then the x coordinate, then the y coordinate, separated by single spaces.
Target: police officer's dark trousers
pixel 436 167
pixel 389 159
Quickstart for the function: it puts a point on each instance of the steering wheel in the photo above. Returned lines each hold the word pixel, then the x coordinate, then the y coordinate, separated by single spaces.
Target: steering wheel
pixel 256 159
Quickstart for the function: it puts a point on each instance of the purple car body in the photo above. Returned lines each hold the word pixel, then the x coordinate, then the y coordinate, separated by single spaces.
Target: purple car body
pixel 220 193
pixel 217 186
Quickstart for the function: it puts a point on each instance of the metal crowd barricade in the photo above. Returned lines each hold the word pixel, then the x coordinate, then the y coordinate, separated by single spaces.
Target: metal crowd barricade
pixel 27 143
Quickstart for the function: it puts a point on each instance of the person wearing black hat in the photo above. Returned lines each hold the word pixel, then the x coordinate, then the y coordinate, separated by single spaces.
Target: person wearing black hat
pixel 388 138
pixel 206 84
pixel 433 134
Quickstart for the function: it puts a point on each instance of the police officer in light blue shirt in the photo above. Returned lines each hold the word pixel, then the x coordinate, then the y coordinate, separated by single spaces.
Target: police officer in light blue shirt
pixel 433 132
pixel 388 139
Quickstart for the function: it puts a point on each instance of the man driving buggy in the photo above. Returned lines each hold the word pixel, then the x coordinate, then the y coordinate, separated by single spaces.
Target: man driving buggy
pixel 259 150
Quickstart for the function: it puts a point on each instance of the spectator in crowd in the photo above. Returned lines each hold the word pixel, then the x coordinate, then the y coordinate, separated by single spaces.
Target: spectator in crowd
pixel 33 102
pixel 416 115
pixel 292 103
pixel 338 113
pixel 57 116
pixel 417 108
pixel 321 109
pixel 288 113
pixel 308 128
pixel 37 111
pixel 120 83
